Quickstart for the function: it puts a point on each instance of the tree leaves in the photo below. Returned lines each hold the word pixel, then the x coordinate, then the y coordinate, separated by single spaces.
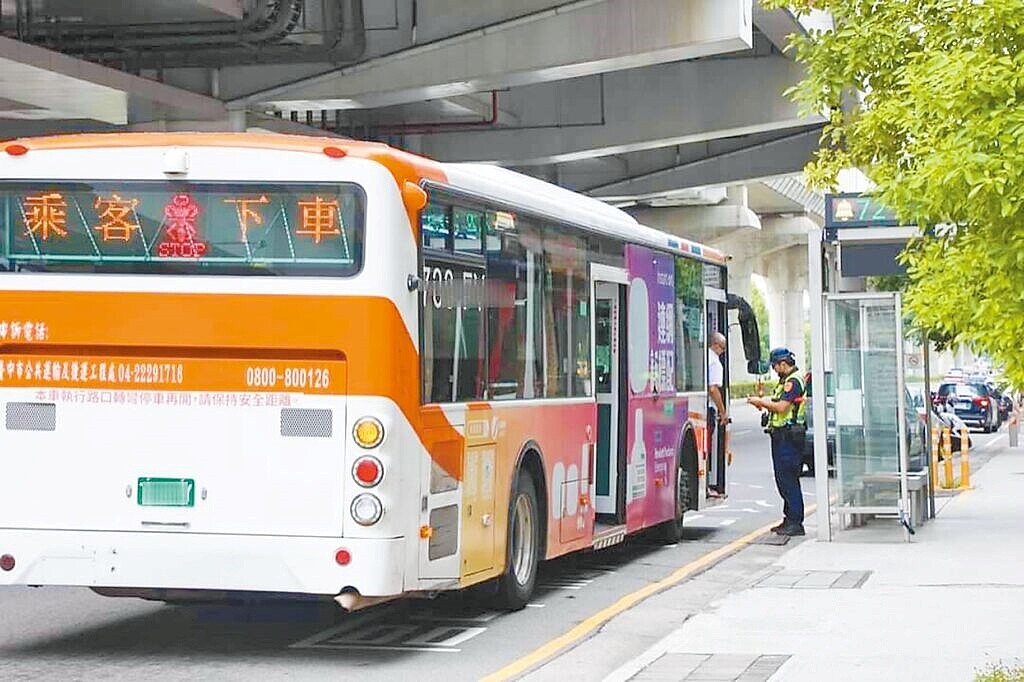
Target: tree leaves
pixel 939 127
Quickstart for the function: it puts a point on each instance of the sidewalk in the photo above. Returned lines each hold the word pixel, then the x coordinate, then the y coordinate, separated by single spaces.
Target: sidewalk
pixel 869 606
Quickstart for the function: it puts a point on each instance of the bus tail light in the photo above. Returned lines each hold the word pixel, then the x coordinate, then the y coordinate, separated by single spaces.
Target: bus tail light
pixel 368 432
pixel 343 557
pixel 7 562
pixel 367 509
pixel 368 471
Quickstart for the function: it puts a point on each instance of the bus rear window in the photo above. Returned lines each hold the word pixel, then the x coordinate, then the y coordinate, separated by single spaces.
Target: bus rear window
pixel 177 227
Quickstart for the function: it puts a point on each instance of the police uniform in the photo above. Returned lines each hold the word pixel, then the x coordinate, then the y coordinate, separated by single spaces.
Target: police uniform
pixel 788 430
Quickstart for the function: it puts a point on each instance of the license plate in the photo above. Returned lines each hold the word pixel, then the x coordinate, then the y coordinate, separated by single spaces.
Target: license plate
pixel 167 492
pixel 964 404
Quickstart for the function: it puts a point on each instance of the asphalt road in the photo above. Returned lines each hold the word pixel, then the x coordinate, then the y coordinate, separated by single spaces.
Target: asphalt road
pixel 71 633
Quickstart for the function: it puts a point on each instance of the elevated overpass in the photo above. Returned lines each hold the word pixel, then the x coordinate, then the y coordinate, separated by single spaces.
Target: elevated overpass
pixel 673 109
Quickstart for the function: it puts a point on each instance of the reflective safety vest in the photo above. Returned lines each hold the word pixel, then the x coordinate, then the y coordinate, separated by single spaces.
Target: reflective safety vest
pixel 797 412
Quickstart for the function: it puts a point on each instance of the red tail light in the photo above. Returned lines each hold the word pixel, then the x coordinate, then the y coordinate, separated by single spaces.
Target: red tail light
pixel 368 471
pixel 343 557
pixel 7 562
pixel 983 402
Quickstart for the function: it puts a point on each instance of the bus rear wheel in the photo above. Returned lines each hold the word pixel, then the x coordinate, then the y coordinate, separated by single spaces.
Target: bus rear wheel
pixel 671 531
pixel 515 587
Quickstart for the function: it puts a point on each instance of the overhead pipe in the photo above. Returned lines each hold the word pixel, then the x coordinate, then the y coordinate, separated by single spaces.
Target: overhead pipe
pixel 282 20
pixel 258 18
pixel 344 40
pixel 343 35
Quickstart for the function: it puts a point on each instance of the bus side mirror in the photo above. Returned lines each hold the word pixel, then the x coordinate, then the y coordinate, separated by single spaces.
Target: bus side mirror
pixel 757 367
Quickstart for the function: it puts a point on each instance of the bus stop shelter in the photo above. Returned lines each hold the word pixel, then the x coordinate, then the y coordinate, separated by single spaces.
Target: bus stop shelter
pixel 859 354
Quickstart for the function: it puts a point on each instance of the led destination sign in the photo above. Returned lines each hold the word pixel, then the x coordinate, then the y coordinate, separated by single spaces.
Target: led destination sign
pixel 145 222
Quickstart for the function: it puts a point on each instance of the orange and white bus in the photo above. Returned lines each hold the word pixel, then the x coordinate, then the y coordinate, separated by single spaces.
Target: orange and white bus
pixel 276 364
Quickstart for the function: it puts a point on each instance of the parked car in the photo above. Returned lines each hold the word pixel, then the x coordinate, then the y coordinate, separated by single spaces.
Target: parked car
pixel 974 403
pixel 1004 403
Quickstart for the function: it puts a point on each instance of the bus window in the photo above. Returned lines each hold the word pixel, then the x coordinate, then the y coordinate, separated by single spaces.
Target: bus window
pixel 468 230
pixel 515 286
pixel 506 319
pixel 566 318
pixel 435 226
pixel 453 358
pixel 689 323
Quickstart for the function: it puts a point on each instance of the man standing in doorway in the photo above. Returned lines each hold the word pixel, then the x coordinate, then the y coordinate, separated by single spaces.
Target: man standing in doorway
pixel 788 429
pixel 717 417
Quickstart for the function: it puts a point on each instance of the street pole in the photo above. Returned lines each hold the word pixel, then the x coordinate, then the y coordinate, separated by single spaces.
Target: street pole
pixel 820 398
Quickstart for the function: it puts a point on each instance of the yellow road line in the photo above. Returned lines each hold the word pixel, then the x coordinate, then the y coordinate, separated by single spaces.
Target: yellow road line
pixel 585 627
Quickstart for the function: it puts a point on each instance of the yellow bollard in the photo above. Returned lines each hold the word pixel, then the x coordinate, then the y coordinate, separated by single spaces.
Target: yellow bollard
pixel 965 460
pixel 947 469
pixel 935 456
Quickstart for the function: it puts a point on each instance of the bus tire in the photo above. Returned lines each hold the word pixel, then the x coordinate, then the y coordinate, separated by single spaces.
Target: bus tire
pixel 516 586
pixel 671 531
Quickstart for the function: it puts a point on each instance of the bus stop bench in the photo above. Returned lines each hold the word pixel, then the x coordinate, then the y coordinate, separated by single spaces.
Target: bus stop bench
pixel 917 486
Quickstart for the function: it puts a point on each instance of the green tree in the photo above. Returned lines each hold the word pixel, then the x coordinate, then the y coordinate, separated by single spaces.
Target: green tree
pixel 927 97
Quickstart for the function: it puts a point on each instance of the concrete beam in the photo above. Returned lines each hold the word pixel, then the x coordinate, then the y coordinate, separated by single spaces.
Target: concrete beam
pixel 640 109
pixel 53 86
pixel 777 25
pixel 788 153
pixel 569 41
pixel 700 223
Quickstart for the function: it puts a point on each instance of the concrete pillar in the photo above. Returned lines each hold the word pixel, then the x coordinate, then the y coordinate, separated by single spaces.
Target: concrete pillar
pixel 787 284
pixel 793 325
pixel 739 284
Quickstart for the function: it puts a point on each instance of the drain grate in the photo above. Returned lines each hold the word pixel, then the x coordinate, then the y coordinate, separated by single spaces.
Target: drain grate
pixel 707 667
pixel 815 580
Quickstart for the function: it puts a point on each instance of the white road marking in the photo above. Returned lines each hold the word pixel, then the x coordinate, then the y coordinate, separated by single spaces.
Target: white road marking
pixel 755 487
pixel 536 606
pixel 693 517
pixel 740 433
pixel 478 618
pixel 762 503
pixel 445 636
pixel 727 522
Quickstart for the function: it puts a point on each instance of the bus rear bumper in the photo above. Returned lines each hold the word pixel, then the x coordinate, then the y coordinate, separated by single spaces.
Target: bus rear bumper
pixel 180 561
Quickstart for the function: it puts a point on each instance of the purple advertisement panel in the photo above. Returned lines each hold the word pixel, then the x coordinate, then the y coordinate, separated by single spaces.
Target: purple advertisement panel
pixel 655 417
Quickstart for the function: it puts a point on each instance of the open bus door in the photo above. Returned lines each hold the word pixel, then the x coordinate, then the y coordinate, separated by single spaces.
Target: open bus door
pixel 609 296
pixel 717 321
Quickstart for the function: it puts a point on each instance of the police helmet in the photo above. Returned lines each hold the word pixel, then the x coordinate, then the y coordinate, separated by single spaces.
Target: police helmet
pixel 781 354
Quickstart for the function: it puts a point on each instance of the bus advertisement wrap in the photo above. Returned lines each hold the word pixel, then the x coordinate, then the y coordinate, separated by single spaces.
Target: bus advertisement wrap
pixel 653 425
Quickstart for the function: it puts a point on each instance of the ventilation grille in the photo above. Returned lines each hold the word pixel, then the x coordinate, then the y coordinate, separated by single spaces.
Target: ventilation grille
pixel 31 416
pixel 300 423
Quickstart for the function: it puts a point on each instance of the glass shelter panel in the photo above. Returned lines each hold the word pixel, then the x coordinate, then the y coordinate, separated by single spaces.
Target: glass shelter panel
pixel 864 334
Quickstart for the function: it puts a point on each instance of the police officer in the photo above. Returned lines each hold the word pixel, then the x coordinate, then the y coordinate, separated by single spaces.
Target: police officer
pixel 787 427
